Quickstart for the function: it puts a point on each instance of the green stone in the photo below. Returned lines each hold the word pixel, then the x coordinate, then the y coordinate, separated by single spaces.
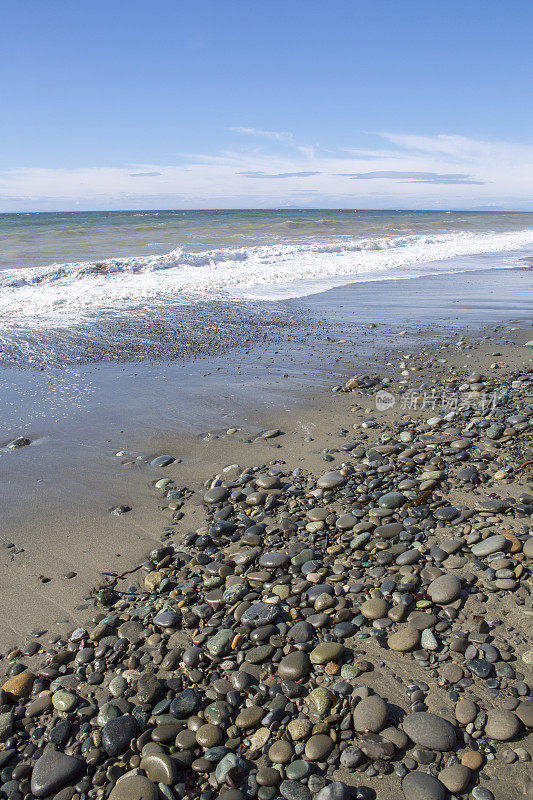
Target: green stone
pixel 320 701
pixel 294 790
pixel 282 591
pixel 349 672
pixel 107 711
pixel 391 500
pixel 301 557
pixel 63 700
pixel 298 769
pixel 219 644
pixel 326 651
pixel 6 725
pixel 118 686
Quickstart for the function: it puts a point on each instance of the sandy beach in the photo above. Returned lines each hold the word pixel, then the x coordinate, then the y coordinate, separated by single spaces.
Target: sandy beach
pixel 56 494
pixel 62 594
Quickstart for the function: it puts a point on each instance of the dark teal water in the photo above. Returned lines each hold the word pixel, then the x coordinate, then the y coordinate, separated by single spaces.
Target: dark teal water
pixel 37 239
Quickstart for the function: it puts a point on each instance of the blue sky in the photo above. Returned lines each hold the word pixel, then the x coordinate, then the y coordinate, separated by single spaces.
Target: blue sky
pixel 173 104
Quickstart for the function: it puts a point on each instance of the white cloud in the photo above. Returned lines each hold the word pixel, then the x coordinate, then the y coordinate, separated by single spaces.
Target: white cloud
pixel 280 136
pixel 460 148
pixel 412 171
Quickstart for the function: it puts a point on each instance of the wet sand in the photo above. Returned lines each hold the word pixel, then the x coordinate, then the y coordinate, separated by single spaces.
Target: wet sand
pixel 56 493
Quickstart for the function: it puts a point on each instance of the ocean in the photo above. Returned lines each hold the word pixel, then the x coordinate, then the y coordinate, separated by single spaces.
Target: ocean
pixel 72 277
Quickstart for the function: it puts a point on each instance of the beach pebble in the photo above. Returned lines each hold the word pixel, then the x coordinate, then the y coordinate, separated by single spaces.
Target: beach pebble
pixel 455 778
pixel 421 786
pixel 52 771
pixel 502 725
pixel 162 461
pixel 331 480
pixel 133 786
pixel 445 589
pixel 429 730
pixel 404 639
pixel 370 714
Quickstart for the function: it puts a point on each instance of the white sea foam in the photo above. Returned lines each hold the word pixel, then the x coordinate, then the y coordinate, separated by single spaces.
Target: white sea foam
pixel 63 294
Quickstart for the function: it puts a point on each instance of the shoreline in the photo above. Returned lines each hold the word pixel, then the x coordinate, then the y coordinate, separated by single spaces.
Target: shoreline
pixel 371 650
pixel 59 498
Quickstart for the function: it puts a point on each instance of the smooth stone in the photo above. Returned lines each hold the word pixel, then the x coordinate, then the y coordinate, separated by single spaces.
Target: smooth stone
pixel 39 706
pixel 472 759
pixel 428 640
pixel 395 735
pixel 346 522
pixel 160 768
pixel 445 589
pixel 297 770
pixel 18 685
pixel 259 614
pixel 404 640
pixel 133 786
pixel 465 712
pixel 421 786
pixel 216 495
pixel 370 714
pixel 229 762
pixel 220 643
pixel 374 608
pixel 481 793
pixel 335 791
pixel 149 688
pixel 320 701
pixel 480 667
pixel 281 752
pixel 6 725
pixel 375 746
pixel 167 619
pixel 162 461
pixel 391 500
pixel 295 666
pixel 492 544
pixel 249 717
pixel 63 700
pixel 331 480
pixel 268 776
pixel 107 711
pixel 524 711
pixel 294 790
pixel 52 771
pixel 184 704
pixel 209 735
pixel 429 730
pixel 118 733
pixel 318 747
pixel 455 778
pixel 502 725
pixel 326 651
pixel 273 560
pixel 132 631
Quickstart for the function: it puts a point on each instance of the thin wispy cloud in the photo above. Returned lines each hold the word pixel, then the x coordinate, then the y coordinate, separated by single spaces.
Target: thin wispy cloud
pixel 254 174
pixel 413 177
pixel 144 174
pixel 280 136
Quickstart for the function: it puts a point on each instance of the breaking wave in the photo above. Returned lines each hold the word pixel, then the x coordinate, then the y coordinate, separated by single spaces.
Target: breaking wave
pixel 65 294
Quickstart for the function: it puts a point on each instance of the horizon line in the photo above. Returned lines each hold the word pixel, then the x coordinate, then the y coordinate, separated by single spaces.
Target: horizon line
pixel 275 208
